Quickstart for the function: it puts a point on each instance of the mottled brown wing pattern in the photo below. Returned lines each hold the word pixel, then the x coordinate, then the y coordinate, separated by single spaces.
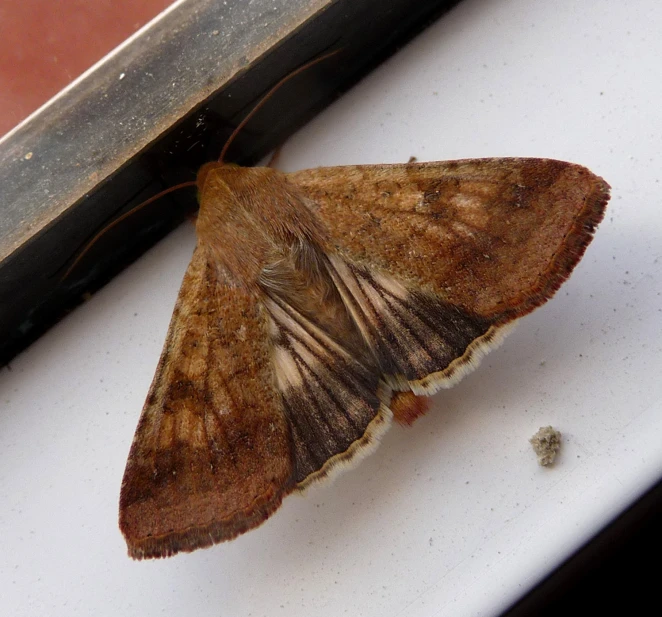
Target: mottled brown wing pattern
pixel 212 456
pixel 352 283
pixel 495 237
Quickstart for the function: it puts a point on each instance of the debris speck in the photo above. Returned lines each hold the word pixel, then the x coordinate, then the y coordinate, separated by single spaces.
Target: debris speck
pixel 546 443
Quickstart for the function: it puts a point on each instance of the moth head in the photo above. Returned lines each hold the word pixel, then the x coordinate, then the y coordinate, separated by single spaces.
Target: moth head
pixel 215 196
pixel 203 173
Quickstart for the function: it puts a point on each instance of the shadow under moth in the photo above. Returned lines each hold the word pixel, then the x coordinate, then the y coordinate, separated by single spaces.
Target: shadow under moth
pixel 320 304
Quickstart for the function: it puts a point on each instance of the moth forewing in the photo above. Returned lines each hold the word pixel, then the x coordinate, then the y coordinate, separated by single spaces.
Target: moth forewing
pixel 312 299
pixel 211 457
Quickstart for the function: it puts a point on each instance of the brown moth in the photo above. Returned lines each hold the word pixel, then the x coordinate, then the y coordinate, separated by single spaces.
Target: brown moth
pixel 321 304
pixel 311 300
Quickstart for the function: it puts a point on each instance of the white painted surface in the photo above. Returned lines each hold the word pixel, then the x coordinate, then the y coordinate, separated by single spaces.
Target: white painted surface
pixel 453 516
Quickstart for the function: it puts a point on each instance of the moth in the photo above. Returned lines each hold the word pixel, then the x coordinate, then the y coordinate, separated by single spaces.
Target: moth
pixel 321 303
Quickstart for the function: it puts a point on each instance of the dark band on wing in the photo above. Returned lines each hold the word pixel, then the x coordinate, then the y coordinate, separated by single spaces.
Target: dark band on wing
pixel 329 397
pixel 412 333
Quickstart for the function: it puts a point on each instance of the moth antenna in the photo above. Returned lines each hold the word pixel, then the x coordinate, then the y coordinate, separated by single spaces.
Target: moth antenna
pixel 267 96
pixel 119 219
